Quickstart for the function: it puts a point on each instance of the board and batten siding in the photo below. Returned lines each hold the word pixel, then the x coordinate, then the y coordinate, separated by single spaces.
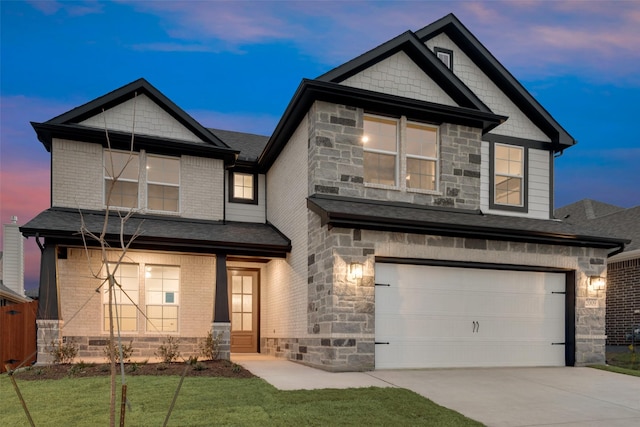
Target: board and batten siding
pixel 518 125
pixel 284 296
pixel 246 212
pixel 539 196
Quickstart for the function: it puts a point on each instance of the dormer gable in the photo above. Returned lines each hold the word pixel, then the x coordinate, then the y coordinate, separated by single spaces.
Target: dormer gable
pixel 160 125
pixel 454 30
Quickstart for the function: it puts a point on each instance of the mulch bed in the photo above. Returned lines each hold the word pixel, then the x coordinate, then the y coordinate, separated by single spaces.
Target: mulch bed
pixel 208 368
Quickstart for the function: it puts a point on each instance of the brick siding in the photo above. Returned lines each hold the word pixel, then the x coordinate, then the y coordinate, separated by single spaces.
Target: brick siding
pixel 623 299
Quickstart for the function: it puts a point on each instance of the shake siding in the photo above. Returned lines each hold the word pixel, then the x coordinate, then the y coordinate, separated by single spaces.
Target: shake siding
pixel 77 175
pixel 399 75
pixel 201 188
pixel 285 290
pixel 518 125
pixel 243 211
pixel 151 120
pixel 82 311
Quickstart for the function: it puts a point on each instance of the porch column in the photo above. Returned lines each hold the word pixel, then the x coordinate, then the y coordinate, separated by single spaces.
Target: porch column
pixel 48 320
pixel 221 322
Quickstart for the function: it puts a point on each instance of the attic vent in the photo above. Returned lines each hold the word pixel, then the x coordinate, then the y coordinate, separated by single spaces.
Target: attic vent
pixel 445 55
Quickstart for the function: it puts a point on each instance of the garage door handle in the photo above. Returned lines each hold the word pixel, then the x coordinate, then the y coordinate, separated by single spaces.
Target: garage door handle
pixel 381 342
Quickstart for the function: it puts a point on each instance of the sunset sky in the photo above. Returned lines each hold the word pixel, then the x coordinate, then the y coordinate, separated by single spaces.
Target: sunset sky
pixel 236 65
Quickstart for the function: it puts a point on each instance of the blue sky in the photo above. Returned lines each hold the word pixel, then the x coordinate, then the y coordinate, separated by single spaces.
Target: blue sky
pixel 235 65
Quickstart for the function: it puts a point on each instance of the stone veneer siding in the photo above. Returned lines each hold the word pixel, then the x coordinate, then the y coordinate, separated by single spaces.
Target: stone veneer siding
pixel 336 160
pixel 623 299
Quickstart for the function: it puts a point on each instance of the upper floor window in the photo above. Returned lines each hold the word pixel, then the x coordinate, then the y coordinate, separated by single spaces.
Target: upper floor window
pixel 395 148
pixel 121 174
pixel 162 284
pixel 243 187
pixel 124 297
pixel 163 183
pixel 123 181
pixel 445 55
pixel 508 175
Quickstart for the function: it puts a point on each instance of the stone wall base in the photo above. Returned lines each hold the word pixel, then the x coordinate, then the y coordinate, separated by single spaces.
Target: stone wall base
pixel 48 331
pixel 590 350
pixel 222 330
pixel 329 354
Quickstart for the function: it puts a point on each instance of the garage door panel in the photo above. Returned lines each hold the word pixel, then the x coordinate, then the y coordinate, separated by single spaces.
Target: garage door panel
pixel 455 317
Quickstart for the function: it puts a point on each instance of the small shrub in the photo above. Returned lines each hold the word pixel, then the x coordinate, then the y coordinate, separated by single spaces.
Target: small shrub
pixel 210 347
pixel 169 350
pixel 236 369
pixel 105 368
pixel 133 367
pixel 63 352
pixel 192 360
pixel 127 351
pixel 199 366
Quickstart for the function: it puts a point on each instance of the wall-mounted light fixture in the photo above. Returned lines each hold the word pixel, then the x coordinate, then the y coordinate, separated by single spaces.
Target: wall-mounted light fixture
pixel 355 271
pixel 597 283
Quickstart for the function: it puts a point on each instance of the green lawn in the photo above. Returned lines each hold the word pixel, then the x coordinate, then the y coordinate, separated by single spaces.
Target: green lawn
pixel 219 401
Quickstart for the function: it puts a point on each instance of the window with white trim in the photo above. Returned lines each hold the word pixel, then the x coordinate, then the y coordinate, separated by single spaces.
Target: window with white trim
pixel 162 287
pixel 163 183
pixel 124 297
pixel 394 147
pixel 121 175
pixel 508 175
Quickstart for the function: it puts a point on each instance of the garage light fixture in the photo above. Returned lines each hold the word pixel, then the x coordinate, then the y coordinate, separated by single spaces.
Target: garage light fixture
pixel 355 271
pixel 597 283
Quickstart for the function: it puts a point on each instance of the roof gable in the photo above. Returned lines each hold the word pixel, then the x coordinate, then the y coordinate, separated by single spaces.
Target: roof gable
pixel 423 58
pixel 120 104
pixel 503 79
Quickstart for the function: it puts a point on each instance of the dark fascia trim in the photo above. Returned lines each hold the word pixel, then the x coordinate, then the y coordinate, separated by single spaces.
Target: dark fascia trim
pixel 129 91
pixel 470 264
pixel 492 180
pixel 310 91
pixel 368 222
pixel 122 141
pixel 422 56
pixel 479 54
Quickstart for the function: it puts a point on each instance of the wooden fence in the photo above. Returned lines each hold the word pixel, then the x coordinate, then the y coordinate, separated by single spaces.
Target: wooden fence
pixel 18 334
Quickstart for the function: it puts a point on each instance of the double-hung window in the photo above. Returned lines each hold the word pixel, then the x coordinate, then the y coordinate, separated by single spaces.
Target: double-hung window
pixel 508 175
pixel 162 286
pixel 421 156
pixel 395 148
pixel 121 174
pixel 163 183
pixel 380 144
pixel 124 297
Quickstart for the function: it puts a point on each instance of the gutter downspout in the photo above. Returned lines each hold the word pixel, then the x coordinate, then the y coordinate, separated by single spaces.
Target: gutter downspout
pixel 617 251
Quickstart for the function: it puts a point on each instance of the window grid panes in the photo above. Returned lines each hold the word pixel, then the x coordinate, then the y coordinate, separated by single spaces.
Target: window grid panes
pixel 163 183
pixel 242 303
pixel 380 144
pixel 125 296
pixel 162 286
pixel 124 189
pixel 509 166
pixel 422 153
pixel 243 186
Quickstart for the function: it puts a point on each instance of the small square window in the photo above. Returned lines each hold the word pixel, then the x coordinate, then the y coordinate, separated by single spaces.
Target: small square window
pixel 243 187
pixel 445 55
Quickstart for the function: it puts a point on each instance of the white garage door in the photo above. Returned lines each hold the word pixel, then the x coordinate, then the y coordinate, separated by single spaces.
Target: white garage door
pixel 465 317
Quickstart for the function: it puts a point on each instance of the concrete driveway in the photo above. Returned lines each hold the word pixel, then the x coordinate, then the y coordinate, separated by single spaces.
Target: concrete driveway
pixel 511 397
pixel 528 396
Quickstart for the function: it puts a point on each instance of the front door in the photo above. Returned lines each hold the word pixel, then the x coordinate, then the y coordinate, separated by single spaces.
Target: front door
pixel 243 307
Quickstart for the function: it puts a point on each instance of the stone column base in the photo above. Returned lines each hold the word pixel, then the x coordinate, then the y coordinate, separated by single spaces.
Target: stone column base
pixel 223 331
pixel 48 332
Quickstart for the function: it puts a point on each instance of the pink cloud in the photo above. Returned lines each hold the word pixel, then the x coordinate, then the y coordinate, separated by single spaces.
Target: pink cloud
pixel 77 8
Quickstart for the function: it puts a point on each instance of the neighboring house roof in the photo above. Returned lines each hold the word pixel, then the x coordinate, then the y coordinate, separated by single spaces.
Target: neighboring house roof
pixel 607 219
pixel 32 293
pixel 67 125
pixel 162 232
pixel 461 36
pixel 10 295
pixel 249 145
pixel 409 218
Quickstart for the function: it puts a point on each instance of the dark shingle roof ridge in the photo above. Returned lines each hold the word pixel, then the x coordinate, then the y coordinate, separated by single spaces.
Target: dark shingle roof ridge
pixel 214 130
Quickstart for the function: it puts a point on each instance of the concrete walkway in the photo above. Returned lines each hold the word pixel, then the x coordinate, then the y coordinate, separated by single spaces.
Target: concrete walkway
pixel 510 397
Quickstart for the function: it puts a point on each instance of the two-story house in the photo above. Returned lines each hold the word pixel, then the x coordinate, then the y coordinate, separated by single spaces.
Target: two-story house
pixel 400 215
